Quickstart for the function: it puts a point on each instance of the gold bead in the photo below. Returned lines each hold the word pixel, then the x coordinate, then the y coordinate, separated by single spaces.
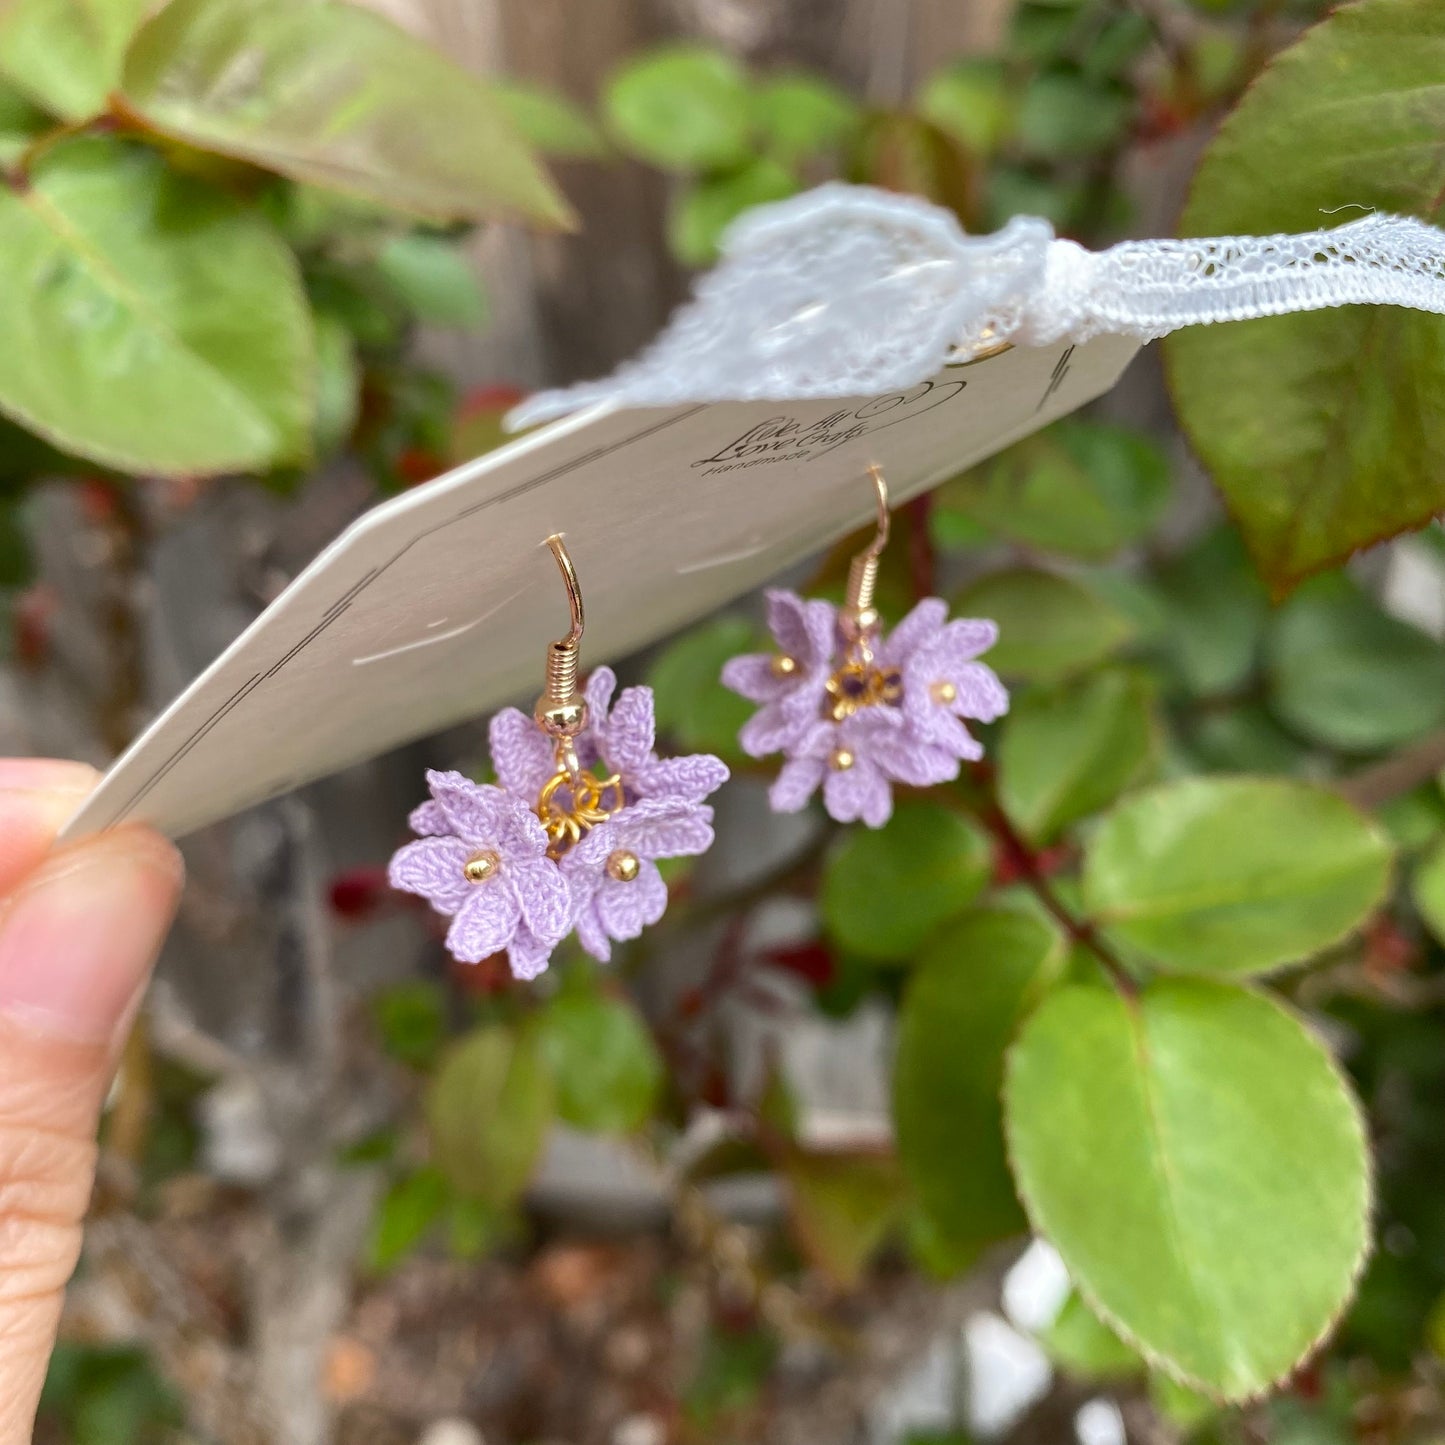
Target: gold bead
pixel 562 719
pixel 784 666
pixel 480 866
pixel 944 692
pixel 623 866
pixel 840 760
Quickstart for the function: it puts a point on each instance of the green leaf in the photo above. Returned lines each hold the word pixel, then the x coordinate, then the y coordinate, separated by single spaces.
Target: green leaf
pixel 843 1206
pixel 549 121
pixel 1069 751
pixel 1199 1163
pixel 702 211
pixel 973 986
pixel 1324 430
pixel 1234 875
pixel 692 705
pixel 17 562
pixel 433 278
pixel 340 97
pixel 338 384
pixel 604 1064
pixel 886 889
pixel 1081 1343
pixel 1215 611
pixel 1428 889
pixel 1082 488
pixel 801 115
pixel 682 107
pixel 21 122
pixel 412 1021
pixel 1343 672
pixel 408 1210
pixel 1049 626
pixel 970 101
pixel 66 54
pixel 489 1108
pixel 1063 115
pixel 151 323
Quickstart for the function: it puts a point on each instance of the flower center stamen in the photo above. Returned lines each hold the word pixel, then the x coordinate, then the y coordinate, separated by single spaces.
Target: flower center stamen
pixel 623 865
pixel 858 684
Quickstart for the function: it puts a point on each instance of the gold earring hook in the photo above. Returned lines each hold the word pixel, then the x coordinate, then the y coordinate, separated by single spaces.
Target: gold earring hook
pixel 858 609
pixel 562 710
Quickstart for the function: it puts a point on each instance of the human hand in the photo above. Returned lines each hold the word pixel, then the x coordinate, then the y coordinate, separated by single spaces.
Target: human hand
pixel 80 927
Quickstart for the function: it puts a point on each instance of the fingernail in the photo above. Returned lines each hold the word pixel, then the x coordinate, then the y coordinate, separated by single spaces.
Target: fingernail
pixel 78 941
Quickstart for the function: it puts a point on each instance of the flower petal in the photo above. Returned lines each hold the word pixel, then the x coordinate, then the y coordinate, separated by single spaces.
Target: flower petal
pixel 428 820
pixel 769 730
pixel 796 782
pixel 859 792
pixel 752 676
pixel 433 867
pixel 965 637
pixel 522 753
pixel 920 626
pixel 472 810
pixel 631 730
pixel 528 954
pixel 682 831
pixel 486 922
pixel 804 631
pixel 592 935
pixel 545 897
pixel 601 684
pixel 690 778
pixel 625 909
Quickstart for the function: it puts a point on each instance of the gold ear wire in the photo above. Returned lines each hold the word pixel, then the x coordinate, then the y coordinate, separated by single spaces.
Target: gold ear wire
pixel 858 608
pixel 561 711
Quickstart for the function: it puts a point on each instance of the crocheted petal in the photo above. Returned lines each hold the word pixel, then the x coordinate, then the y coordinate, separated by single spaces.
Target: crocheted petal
pixel 631 730
pixel 683 836
pixel 752 676
pixel 588 856
pixel 858 793
pixel 601 684
pixel 522 753
pixel 487 921
pixel 980 694
pixel 433 867
pixel 921 624
pixel 690 778
pixel 521 832
pixel 821 620
pixel 546 899
pixel 428 820
pixel 965 637
pixel 769 730
pixel 591 934
pixel 906 757
pixel 472 810
pixel 795 784
pixel 528 954
pixel 625 909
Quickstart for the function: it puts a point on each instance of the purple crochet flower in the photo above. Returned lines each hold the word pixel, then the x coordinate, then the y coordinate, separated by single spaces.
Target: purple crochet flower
pixel 900 713
pixel 856 762
pixel 617 890
pixel 792 683
pixel 482 861
pixel 942 682
pixel 619 735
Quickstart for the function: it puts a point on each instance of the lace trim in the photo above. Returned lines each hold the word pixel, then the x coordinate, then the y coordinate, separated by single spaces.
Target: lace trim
pixel 851 291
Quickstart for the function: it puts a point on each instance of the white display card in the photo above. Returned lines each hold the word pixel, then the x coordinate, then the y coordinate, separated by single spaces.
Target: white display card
pixel 437 606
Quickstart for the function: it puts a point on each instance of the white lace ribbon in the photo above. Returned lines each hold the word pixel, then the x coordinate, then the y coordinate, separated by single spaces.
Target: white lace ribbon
pixel 851 291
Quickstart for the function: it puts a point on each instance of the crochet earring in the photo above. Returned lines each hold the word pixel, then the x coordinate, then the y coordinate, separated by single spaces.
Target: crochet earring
pixel 854 710
pixel 570 836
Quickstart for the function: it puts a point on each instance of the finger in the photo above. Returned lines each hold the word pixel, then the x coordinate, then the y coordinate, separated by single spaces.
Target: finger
pixel 37 797
pixel 77 941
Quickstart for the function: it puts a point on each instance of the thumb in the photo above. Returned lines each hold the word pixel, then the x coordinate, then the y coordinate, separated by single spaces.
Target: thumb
pixel 79 930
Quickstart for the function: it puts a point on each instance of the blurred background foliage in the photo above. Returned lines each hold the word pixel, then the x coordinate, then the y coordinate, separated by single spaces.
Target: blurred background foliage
pixel 752 1182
